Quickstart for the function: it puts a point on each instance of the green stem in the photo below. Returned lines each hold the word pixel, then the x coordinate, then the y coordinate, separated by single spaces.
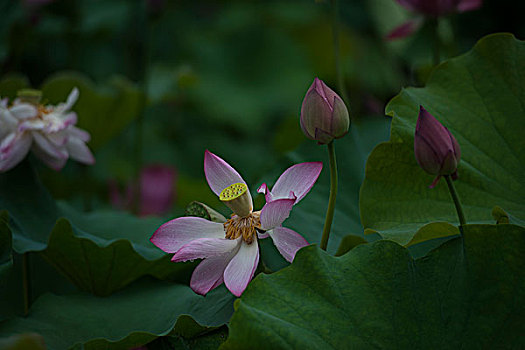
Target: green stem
pixel 337 55
pixel 436 54
pixel 333 193
pixel 26 284
pixel 457 203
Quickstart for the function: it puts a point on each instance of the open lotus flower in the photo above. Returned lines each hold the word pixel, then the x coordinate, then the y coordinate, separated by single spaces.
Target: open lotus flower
pixel 436 150
pixel 432 9
pixel 230 249
pixel 49 131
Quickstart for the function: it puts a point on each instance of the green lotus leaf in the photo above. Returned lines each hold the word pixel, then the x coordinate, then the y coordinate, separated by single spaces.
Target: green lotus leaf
pixel 480 98
pixel 463 295
pixel 129 318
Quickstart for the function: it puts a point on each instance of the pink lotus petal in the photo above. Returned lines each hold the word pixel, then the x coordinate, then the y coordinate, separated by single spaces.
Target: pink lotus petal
pixel 219 174
pixel 204 248
pixel 23 111
pixel 241 268
pixel 275 212
pixel 79 133
pixel 171 236
pixel 469 5
pixel 298 178
pixel 287 241
pixel 71 100
pixel 79 151
pixel 209 274
pixel 157 191
pixel 51 161
pixel 404 30
pixel 70 119
pixel 13 150
pixel 58 138
pixel 32 124
pixel 48 147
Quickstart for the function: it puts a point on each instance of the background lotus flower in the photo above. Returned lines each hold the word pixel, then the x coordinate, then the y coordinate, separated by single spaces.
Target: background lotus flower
pixel 230 249
pixel 432 9
pixel 49 131
pixel 323 114
pixel 436 150
pixel 157 191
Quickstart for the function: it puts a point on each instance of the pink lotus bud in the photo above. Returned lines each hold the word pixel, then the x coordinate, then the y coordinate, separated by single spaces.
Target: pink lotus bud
pixel 157 183
pixel 437 151
pixel 323 114
pixel 437 8
pixel 157 191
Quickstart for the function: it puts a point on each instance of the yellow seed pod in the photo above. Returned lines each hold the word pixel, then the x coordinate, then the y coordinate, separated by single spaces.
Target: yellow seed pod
pixel 233 191
pixel 238 198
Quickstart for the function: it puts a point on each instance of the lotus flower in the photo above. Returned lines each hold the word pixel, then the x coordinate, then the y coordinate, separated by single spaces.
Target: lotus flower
pixel 230 249
pixel 157 183
pixel 48 130
pixel 431 9
pixel 323 114
pixel 437 151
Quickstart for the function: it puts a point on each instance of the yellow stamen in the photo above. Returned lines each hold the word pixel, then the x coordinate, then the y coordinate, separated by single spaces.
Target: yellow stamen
pixel 245 227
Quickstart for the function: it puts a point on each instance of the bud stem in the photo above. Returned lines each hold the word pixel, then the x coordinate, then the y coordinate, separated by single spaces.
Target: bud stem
pixel 457 203
pixel 333 193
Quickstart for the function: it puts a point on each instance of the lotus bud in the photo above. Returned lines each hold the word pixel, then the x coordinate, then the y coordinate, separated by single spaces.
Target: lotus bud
pixel 324 116
pixel 437 151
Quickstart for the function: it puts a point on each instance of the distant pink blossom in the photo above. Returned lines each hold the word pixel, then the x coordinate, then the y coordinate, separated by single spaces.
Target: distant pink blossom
pixel 432 9
pixel 49 131
pixel 157 191
pixel 230 249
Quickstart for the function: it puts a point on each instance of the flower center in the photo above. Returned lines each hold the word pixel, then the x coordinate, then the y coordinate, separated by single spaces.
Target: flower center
pixel 245 227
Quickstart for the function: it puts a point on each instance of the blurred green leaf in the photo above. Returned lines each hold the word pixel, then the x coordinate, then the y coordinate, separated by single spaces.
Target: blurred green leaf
pixel 479 97
pixel 376 296
pixel 24 341
pixel 104 111
pixel 11 83
pixel 127 319
pixel 6 247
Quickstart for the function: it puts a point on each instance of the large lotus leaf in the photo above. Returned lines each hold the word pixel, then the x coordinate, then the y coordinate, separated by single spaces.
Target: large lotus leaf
pixel 104 252
pixel 480 97
pixel 103 111
pixel 460 296
pixel 126 319
pixel 100 252
pixel 32 210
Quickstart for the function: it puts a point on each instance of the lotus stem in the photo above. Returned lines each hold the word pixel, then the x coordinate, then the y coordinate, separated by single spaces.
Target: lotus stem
pixel 457 203
pixel 333 194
